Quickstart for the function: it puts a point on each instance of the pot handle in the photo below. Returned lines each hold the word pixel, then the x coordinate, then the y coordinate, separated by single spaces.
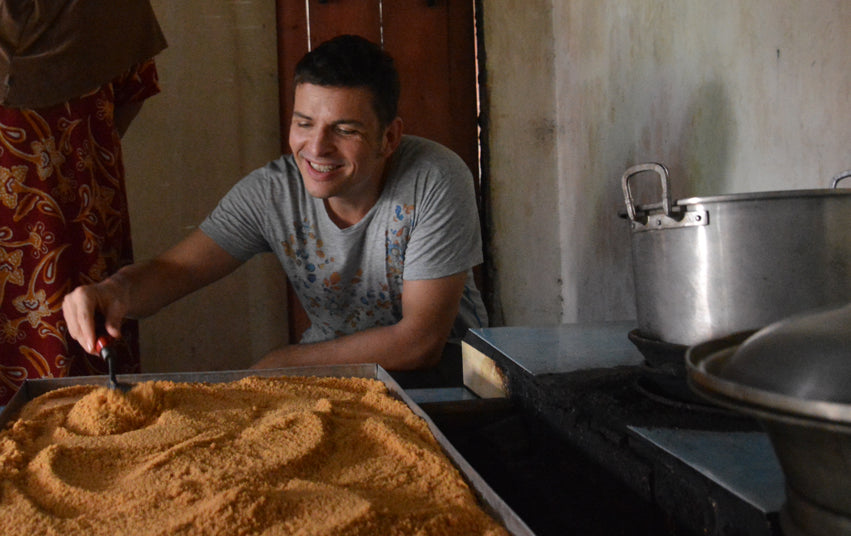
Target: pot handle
pixel 843 175
pixel 660 170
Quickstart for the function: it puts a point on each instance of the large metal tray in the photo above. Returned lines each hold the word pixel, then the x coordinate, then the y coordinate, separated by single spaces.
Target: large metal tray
pixel 488 499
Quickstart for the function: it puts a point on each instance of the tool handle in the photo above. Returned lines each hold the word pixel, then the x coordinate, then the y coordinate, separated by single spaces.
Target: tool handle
pixel 102 342
pixel 104 346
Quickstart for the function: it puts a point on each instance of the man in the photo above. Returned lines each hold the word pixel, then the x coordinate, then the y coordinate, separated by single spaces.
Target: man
pixel 377 231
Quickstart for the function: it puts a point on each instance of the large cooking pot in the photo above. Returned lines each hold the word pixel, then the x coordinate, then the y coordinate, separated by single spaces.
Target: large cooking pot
pixel 794 377
pixel 706 267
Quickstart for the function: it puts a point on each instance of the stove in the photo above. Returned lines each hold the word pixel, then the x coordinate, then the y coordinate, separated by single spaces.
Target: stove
pixel 649 448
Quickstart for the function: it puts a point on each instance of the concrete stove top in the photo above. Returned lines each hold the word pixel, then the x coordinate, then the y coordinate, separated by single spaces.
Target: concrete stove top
pixel 711 471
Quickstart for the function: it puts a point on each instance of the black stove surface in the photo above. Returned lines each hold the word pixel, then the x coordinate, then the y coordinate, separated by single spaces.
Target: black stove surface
pixel 655 448
pixel 554 487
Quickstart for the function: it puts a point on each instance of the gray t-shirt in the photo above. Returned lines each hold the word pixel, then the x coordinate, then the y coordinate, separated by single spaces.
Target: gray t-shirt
pixel 424 226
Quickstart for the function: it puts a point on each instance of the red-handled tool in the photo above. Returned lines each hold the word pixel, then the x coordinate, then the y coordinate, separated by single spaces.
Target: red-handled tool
pixel 105 348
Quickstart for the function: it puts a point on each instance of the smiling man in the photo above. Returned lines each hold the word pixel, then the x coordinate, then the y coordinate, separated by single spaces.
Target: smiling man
pixel 377 231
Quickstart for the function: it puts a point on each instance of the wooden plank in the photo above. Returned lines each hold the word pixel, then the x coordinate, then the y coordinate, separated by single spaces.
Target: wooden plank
pixel 436 62
pixel 421 51
pixel 292 45
pixel 481 374
pixel 337 17
pixel 463 83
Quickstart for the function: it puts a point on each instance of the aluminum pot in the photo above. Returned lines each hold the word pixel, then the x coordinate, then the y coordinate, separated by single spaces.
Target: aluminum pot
pixel 793 376
pixel 706 267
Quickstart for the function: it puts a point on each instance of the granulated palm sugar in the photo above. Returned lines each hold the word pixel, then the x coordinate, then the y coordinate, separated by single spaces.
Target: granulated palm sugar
pixel 257 456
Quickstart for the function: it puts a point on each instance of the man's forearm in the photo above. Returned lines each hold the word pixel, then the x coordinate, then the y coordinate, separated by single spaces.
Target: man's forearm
pixel 416 341
pixel 193 263
pixel 389 346
pixel 151 285
pixel 142 289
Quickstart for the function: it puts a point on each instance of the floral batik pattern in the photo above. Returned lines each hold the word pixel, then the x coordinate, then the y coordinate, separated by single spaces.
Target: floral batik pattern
pixel 63 222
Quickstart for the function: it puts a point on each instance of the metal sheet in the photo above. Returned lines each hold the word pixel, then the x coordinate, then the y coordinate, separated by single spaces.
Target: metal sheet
pixel 743 463
pixel 488 499
pixel 563 348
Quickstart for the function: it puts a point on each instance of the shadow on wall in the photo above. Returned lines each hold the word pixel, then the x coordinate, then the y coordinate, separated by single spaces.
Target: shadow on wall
pixel 706 136
pixel 697 156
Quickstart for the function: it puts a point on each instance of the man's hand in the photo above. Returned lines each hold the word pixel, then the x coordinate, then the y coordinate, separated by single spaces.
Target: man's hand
pixel 80 307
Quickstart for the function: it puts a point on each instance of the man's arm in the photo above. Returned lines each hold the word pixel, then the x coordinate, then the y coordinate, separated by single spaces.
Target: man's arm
pixel 429 308
pixel 142 289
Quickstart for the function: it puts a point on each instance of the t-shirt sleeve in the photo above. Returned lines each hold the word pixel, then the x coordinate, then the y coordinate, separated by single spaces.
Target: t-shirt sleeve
pixel 446 236
pixel 238 223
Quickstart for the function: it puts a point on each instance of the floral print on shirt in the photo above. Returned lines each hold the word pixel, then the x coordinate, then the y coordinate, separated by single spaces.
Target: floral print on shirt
pixel 338 304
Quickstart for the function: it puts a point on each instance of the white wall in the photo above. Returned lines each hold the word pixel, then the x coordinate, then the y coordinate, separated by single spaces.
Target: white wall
pixel 215 120
pixel 731 96
pixel 523 132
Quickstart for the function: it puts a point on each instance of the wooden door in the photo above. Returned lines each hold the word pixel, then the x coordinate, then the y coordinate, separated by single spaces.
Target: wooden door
pixel 433 44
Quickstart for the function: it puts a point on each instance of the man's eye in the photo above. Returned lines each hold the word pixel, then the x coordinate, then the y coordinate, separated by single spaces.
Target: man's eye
pixel 346 131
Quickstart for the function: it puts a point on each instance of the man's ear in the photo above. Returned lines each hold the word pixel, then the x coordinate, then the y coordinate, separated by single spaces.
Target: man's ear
pixel 392 137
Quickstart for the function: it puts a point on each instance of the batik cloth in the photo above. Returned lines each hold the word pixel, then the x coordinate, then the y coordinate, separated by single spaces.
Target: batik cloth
pixel 63 222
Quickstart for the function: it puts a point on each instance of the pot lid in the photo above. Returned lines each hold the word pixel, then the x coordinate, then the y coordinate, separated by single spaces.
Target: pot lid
pixel 807 356
pixel 677 211
pixel 762 196
pixel 799 366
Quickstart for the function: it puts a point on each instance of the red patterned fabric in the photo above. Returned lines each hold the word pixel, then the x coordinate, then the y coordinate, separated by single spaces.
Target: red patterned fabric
pixel 63 222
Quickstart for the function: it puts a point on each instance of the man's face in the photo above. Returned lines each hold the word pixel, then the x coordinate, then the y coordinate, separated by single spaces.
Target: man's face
pixel 339 144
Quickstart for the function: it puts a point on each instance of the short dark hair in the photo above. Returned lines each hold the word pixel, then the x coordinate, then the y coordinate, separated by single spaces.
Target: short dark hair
pixel 354 62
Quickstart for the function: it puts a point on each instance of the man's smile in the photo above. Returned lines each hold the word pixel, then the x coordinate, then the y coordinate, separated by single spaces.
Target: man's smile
pixel 322 168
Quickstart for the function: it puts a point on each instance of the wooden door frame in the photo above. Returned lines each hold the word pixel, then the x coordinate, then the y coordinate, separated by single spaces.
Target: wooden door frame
pixel 291 17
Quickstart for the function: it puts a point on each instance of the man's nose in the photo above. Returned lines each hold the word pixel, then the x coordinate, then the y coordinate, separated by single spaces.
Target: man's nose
pixel 320 141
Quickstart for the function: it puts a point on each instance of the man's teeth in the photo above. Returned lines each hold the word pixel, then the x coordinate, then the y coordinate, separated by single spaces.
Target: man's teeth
pixel 320 168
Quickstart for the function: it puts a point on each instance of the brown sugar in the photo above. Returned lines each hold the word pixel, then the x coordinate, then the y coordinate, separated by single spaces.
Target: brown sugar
pixel 257 456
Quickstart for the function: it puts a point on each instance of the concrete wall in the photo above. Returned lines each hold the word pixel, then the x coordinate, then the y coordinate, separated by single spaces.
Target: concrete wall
pixel 731 96
pixel 524 135
pixel 215 120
